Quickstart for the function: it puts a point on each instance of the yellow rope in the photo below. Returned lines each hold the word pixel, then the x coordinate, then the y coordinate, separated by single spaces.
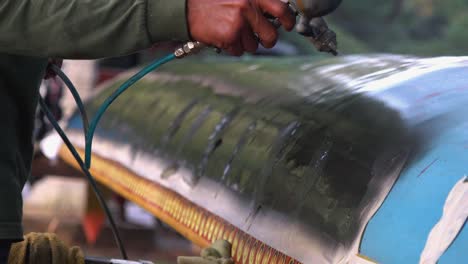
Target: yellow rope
pixel 193 222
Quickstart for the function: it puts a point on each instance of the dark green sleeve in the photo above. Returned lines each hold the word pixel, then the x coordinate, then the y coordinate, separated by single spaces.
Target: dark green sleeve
pixel 88 28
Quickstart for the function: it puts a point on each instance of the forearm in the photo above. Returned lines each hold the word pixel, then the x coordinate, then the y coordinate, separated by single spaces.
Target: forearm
pixel 88 28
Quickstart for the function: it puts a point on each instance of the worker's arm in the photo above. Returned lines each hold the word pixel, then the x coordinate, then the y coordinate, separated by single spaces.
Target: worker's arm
pixel 88 28
pixel 100 28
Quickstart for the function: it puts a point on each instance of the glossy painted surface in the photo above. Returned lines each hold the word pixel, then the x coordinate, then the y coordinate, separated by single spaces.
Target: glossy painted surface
pixel 435 104
pixel 298 153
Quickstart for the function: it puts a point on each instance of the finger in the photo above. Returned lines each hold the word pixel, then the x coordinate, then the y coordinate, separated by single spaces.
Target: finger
pixel 279 10
pixel 265 30
pixel 236 49
pixel 249 41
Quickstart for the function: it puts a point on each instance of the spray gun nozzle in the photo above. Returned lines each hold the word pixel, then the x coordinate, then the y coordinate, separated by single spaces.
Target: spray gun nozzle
pixel 312 25
pixel 317 30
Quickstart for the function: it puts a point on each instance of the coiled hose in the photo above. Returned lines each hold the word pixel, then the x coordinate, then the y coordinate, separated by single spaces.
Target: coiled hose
pixel 90 128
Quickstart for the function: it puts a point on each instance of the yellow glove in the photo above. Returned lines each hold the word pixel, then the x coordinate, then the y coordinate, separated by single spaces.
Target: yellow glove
pixel 218 253
pixel 44 249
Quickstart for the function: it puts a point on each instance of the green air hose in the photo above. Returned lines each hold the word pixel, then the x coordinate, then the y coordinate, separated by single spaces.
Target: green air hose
pixel 102 109
pixel 89 128
pixel 88 175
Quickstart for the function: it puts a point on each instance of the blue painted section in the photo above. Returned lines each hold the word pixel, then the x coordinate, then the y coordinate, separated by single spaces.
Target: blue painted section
pixel 399 230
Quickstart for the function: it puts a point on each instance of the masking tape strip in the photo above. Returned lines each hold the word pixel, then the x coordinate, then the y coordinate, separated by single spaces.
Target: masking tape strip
pixel 453 219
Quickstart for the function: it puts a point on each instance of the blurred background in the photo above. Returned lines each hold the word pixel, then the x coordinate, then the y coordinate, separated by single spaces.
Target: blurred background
pixel 57 198
pixel 415 27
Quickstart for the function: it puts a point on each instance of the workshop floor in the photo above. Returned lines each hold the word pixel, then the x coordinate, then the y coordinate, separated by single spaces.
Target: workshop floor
pixel 57 204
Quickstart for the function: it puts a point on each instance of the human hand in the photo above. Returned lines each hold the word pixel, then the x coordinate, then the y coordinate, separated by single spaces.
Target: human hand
pixel 50 74
pixel 237 25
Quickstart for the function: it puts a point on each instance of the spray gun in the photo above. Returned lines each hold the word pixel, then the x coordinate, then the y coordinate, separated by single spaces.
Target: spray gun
pixel 318 32
pixel 311 25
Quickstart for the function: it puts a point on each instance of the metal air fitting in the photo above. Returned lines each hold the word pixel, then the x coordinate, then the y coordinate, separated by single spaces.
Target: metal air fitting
pixel 189 48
